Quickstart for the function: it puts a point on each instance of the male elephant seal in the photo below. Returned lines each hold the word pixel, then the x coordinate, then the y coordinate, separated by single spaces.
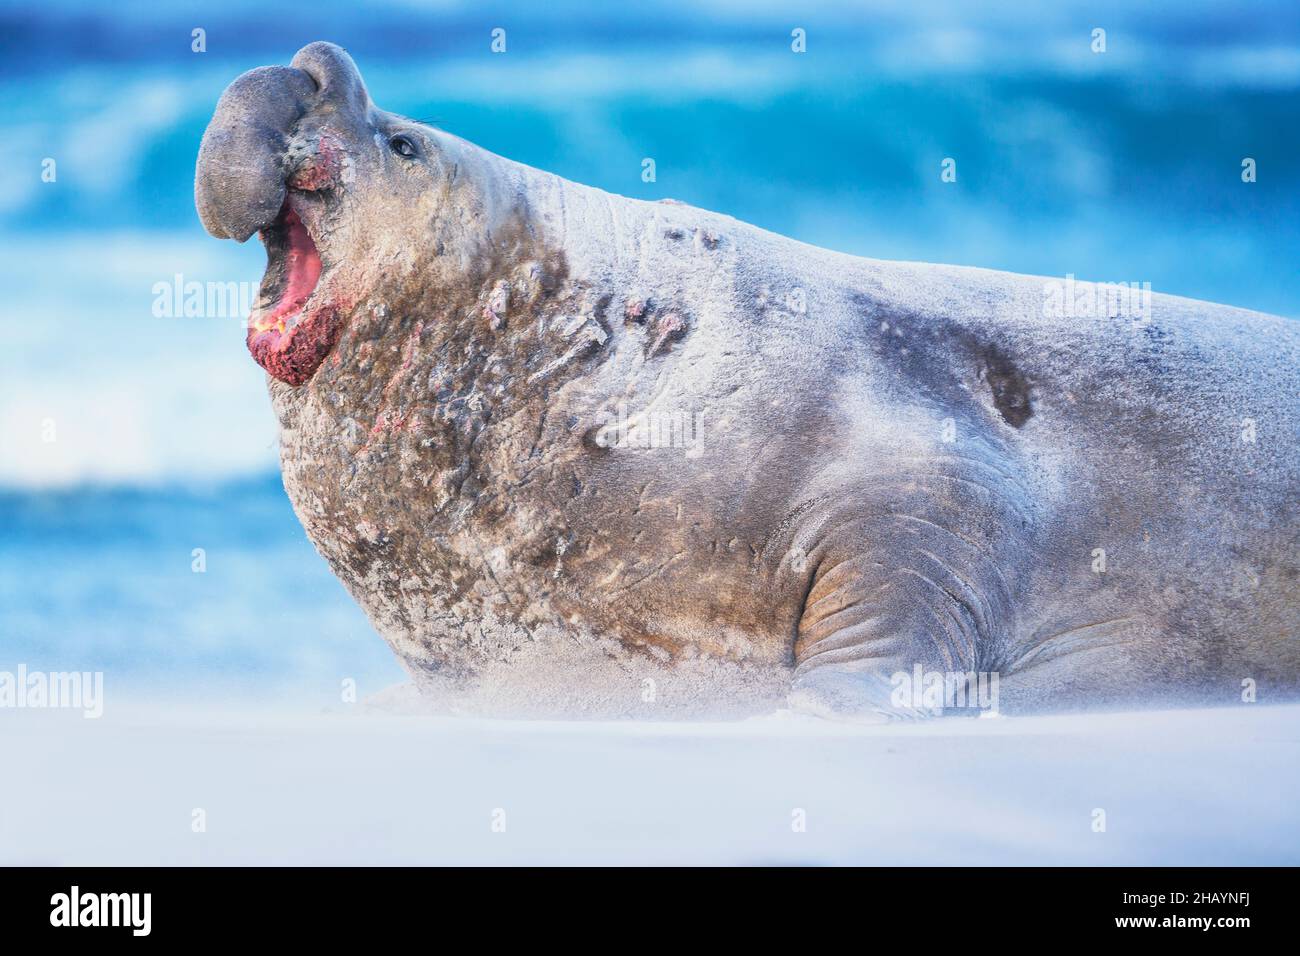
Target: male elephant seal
pixel 575 453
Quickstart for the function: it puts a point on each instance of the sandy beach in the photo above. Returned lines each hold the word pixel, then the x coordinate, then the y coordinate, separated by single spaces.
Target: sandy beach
pixel 362 786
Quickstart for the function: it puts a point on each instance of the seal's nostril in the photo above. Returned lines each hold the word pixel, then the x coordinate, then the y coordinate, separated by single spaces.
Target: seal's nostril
pixel 321 169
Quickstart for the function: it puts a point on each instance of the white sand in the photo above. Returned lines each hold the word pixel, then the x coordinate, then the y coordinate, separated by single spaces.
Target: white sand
pixel 1177 787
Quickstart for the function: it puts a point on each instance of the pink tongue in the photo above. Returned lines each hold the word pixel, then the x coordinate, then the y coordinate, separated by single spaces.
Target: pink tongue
pixel 302 263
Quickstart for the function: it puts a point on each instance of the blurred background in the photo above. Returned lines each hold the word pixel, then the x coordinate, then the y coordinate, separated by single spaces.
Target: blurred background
pixel 129 439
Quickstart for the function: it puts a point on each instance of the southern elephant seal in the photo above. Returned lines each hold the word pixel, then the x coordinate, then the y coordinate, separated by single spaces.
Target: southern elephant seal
pixel 576 453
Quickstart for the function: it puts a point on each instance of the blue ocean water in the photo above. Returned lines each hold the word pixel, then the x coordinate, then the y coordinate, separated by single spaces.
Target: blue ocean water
pixel 128 439
pixel 181 591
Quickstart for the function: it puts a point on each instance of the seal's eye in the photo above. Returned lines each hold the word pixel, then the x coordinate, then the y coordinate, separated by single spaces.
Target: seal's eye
pixel 402 146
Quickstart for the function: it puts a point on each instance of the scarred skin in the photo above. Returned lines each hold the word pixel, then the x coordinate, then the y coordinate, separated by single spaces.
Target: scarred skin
pixel 868 465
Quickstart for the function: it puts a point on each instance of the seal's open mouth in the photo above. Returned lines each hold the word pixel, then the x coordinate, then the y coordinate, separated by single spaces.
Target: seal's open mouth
pixel 289 331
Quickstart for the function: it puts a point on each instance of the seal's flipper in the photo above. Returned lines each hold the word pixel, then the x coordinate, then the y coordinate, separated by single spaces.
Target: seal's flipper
pixel 866 621
pixel 878 624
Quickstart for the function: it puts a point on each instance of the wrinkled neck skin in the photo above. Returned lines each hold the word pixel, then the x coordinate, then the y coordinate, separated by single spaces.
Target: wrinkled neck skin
pixel 463 277
pixel 453 432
